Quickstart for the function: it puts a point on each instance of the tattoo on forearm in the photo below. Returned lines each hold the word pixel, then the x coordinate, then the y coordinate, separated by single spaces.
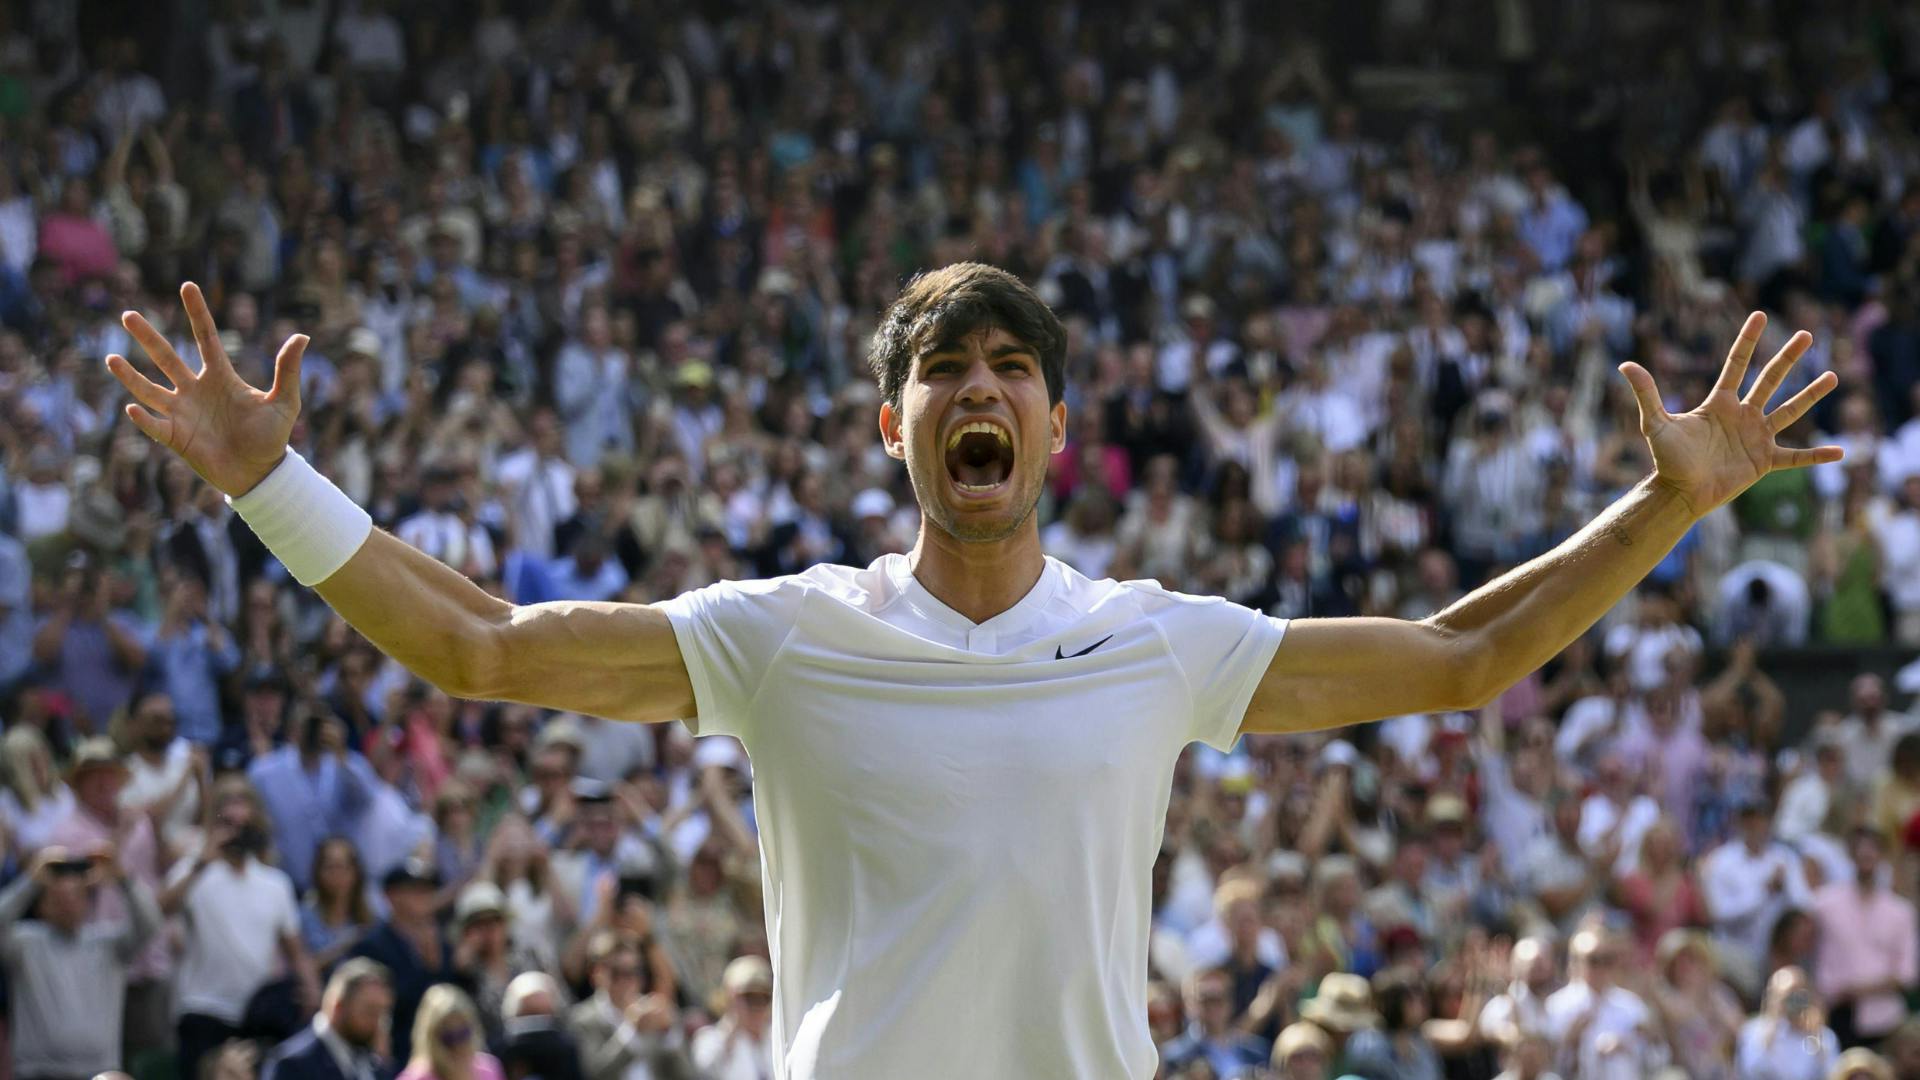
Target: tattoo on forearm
pixel 1618 531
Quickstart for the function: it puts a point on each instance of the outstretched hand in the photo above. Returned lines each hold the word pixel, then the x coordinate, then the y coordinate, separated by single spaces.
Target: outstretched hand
pixel 1722 446
pixel 231 433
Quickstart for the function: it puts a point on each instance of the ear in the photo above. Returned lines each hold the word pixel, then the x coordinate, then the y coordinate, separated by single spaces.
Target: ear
pixel 891 436
pixel 1057 421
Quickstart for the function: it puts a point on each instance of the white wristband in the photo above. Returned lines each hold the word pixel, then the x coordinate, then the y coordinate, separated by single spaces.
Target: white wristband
pixel 309 524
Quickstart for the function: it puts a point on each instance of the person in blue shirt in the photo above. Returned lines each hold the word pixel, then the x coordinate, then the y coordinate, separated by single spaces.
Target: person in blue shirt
pixel 191 654
pixel 313 787
pixel 1210 1035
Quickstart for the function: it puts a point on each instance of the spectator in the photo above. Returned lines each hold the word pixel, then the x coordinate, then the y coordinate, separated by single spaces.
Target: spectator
pixel 1700 1014
pixel 1302 1052
pixel 1521 1008
pixel 1869 730
pixel 346 1040
pixel 336 913
pixel 314 786
pixel 1603 1029
pixel 241 925
pixel 537 1044
pixel 1869 949
pixel 739 1047
pixel 192 654
pixel 167 777
pixel 35 798
pixel 447 1040
pixel 483 953
pixel 1210 1037
pixel 98 776
pixel 65 968
pixel 409 944
pixel 94 652
pixel 1789 1039
pixel 628 1023
pixel 1765 602
pixel 1748 883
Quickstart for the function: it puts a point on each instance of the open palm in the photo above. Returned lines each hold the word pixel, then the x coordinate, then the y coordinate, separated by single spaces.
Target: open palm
pixel 231 433
pixel 1722 446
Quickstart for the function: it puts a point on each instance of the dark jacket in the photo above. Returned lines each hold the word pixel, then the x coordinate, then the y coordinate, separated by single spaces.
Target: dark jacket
pixel 537 1048
pixel 411 974
pixel 305 1057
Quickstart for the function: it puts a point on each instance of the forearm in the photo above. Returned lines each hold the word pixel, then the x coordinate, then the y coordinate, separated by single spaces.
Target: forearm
pixel 415 609
pixel 1522 619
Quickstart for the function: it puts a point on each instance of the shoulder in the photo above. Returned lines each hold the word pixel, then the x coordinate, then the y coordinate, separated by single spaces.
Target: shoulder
pixel 296 1050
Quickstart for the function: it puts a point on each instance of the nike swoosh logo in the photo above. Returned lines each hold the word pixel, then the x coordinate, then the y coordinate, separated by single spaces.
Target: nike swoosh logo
pixel 1058 655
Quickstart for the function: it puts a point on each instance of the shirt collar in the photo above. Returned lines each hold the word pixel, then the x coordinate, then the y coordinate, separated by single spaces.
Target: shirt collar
pixel 899 572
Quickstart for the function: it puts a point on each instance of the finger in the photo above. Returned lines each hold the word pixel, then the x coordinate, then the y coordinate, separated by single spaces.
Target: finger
pixel 205 334
pixel 1776 370
pixel 144 390
pixel 158 428
pixel 159 349
pixel 1789 457
pixel 1735 368
pixel 1796 406
pixel 1652 412
pixel 286 370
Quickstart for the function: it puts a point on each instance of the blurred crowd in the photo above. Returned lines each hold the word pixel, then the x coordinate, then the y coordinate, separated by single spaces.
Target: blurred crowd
pixel 589 285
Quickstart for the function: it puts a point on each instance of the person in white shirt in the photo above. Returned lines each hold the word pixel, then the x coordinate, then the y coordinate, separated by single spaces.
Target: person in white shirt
pixel 1748 882
pixel 739 1047
pixel 1604 1031
pixel 241 922
pixel 963 754
pixel 1868 732
pixel 1790 1039
pixel 1521 1009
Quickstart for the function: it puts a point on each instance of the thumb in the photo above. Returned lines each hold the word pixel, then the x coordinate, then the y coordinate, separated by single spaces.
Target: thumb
pixel 286 371
pixel 1652 412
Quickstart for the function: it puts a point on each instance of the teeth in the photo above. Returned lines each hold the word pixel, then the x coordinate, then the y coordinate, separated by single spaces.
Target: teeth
pixel 982 427
pixel 978 487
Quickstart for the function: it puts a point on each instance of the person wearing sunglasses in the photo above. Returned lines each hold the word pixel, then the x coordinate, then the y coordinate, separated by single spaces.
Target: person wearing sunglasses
pixel 447 1038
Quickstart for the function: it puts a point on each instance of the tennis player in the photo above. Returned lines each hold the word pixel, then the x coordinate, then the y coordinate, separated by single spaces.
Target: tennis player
pixel 962 755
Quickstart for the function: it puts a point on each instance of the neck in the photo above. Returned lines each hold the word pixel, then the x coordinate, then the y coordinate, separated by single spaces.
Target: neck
pixel 978 580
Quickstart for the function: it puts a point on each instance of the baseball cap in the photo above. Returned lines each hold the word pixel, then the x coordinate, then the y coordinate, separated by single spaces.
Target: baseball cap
pixel 747 974
pixel 414 871
pixel 872 502
pixel 477 901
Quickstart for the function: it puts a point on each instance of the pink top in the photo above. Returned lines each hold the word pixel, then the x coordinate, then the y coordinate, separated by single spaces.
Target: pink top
pixel 1864 939
pixel 81 246
pixel 485 1067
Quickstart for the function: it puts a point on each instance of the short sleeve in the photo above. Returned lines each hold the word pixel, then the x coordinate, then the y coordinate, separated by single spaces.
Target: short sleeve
pixel 729 634
pixel 1223 649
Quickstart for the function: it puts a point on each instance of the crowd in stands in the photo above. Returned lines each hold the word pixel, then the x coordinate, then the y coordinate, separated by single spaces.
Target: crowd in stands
pixel 589 285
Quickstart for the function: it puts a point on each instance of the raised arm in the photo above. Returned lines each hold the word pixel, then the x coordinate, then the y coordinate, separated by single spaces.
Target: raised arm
pixel 614 660
pixel 1331 672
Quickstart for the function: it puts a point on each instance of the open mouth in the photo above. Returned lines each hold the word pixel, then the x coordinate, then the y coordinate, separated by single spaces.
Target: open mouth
pixel 979 456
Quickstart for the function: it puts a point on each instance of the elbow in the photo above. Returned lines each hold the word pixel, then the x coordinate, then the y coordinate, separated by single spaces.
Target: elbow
pixel 475 666
pixel 1470 676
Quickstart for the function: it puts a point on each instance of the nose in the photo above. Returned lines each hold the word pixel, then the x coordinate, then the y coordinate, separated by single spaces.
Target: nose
pixel 980 387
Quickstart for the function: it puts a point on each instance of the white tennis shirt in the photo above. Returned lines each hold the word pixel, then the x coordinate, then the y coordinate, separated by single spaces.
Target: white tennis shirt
pixel 959 821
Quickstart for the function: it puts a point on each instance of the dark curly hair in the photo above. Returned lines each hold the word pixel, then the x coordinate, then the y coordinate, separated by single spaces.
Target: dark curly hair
pixel 940 307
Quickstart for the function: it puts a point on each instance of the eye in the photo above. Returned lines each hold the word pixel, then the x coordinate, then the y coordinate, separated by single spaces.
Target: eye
pixel 1018 367
pixel 943 367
